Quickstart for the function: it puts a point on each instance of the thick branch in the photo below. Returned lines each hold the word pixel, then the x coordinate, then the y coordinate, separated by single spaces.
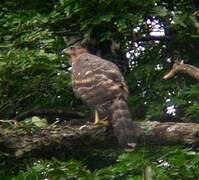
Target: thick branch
pixel 180 67
pixel 53 141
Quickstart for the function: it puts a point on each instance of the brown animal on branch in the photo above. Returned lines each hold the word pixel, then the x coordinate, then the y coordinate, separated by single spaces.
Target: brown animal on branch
pixel 100 84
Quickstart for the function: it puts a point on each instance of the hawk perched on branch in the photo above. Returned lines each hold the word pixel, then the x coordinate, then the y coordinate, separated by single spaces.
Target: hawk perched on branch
pixel 100 84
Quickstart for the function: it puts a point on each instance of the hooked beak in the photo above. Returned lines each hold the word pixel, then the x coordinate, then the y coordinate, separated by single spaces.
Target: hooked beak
pixel 66 52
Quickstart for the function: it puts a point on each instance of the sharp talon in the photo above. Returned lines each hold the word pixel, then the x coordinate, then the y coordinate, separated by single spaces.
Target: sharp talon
pixel 99 121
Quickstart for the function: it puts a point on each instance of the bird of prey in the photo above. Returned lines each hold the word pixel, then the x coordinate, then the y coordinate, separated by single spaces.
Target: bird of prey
pixel 100 84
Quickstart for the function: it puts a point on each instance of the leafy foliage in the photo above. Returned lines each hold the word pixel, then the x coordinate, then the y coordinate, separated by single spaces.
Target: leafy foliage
pixel 164 163
pixel 35 75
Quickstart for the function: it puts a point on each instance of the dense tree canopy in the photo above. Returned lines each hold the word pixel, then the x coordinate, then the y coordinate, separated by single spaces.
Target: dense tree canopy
pixel 35 75
pixel 143 37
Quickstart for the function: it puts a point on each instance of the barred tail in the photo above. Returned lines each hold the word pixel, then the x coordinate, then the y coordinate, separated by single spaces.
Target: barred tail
pixel 122 124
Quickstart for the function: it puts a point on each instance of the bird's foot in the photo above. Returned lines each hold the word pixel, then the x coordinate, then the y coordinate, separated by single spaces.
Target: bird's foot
pixel 99 121
pixel 103 121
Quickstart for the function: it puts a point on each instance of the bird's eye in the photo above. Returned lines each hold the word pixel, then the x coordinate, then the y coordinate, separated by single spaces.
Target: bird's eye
pixel 72 48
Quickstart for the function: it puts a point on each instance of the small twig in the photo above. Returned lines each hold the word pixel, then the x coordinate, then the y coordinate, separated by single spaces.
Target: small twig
pixel 53 124
pixel 11 122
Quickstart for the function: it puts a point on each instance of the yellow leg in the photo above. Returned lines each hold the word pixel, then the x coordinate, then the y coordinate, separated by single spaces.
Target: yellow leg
pixel 97 119
pixel 100 121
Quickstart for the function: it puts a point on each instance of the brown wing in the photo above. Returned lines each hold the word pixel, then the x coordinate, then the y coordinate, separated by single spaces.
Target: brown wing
pixel 101 85
pixel 97 81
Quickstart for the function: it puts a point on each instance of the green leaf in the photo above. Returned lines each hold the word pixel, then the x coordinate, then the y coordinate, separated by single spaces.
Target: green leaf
pixel 179 20
pixel 160 11
pixel 42 123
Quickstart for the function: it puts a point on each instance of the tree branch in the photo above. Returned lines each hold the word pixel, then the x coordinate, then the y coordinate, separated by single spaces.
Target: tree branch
pixel 58 140
pixel 180 67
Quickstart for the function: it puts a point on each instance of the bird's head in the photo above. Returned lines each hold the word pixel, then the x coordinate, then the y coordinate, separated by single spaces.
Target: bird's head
pixel 73 52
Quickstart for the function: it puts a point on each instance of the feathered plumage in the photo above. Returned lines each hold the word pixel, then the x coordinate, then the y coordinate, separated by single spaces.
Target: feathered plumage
pixel 100 84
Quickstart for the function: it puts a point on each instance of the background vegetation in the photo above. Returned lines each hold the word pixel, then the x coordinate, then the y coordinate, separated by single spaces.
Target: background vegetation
pixel 34 75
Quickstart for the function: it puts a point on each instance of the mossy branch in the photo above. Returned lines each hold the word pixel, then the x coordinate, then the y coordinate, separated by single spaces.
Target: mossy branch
pixel 60 140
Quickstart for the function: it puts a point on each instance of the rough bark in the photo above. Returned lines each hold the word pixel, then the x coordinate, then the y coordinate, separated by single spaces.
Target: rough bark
pixel 180 67
pixel 60 140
